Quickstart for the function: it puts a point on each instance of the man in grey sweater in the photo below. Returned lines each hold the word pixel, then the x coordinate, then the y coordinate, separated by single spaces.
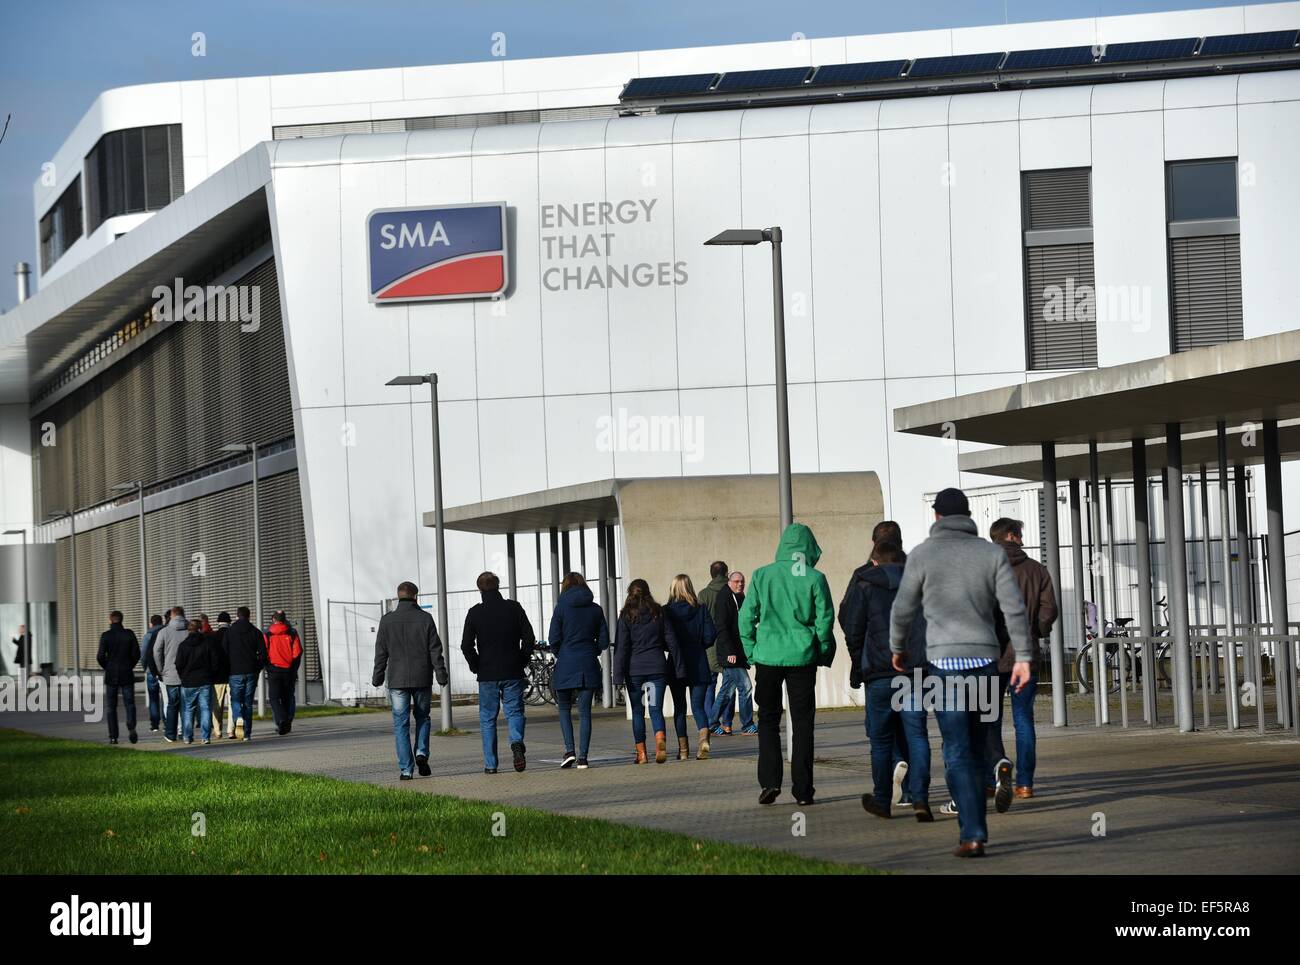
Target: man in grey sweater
pixel 958 581
pixel 165 647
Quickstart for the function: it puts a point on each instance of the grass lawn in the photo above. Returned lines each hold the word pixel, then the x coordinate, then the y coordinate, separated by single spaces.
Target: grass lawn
pixel 325 710
pixel 68 807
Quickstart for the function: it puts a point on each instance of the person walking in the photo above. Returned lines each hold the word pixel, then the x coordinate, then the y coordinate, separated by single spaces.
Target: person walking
pixel 195 663
pixel 283 651
pixel 643 646
pixel 119 652
pixel 692 627
pixel 736 686
pixel 578 635
pixel 497 641
pixel 1039 594
pixel 957 581
pixel 152 674
pixel 409 656
pixel 245 653
pixel 714 598
pixel 785 628
pixel 866 636
pixel 222 718
pixel 22 642
pixel 165 648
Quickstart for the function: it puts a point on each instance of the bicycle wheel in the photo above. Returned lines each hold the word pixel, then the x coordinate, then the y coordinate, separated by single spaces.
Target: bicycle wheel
pixel 1109 669
pixel 1164 667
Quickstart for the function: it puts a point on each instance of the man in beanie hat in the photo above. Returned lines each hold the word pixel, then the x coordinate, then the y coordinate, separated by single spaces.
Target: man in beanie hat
pixel 958 581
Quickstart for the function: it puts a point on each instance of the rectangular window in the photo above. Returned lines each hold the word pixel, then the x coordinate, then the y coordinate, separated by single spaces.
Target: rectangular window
pixel 134 170
pixel 1060 301
pixel 1204 253
pixel 61 225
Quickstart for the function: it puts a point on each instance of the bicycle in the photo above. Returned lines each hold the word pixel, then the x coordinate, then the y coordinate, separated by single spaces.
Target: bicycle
pixel 537 676
pixel 1114 635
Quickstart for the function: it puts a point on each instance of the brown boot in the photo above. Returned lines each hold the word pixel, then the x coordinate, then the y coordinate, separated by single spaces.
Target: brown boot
pixel 640 752
pixel 703 753
pixel 683 749
pixel 661 748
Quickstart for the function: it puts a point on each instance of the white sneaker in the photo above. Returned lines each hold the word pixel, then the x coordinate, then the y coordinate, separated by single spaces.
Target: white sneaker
pixel 949 808
pixel 900 779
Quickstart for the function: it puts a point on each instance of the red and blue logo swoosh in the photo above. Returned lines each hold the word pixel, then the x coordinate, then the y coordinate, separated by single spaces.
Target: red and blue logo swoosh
pixel 426 254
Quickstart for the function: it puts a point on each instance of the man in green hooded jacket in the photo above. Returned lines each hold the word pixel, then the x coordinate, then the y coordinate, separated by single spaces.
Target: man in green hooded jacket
pixel 785 629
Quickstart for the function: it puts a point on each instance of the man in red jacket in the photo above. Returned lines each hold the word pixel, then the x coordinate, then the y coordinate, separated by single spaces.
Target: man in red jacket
pixel 283 651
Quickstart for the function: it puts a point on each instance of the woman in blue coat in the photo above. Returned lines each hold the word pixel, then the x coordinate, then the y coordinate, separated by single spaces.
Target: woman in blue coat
pixel 693 627
pixel 578 635
pixel 640 643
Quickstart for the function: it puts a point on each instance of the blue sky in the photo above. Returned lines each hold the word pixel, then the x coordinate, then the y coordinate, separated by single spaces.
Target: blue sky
pixel 57 55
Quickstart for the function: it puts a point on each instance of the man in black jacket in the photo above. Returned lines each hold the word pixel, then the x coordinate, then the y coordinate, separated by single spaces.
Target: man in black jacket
pixel 221 715
pixel 245 652
pixel 731 657
pixel 152 675
pixel 497 642
pixel 408 653
pixel 119 652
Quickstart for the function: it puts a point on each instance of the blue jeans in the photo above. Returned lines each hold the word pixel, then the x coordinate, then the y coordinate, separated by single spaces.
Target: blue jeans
pixel 735 681
pixel 243 688
pixel 154 688
pixel 110 699
pixel 173 710
pixel 646 693
pixel 1022 716
pixel 897 736
pixel 678 689
pixel 406 701
pixel 564 702
pixel 492 694
pixel 965 754
pixel 200 698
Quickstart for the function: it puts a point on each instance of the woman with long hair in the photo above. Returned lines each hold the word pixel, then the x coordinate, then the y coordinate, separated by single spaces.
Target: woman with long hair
pixel 693 627
pixel 578 635
pixel 640 642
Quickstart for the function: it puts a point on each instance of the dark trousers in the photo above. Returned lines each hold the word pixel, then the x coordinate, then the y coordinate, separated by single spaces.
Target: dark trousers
pixel 128 698
pixel 154 688
pixel 280 688
pixel 173 717
pixel 801 685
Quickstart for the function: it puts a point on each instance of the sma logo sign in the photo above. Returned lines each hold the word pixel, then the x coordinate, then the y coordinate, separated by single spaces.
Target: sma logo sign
pixel 431 254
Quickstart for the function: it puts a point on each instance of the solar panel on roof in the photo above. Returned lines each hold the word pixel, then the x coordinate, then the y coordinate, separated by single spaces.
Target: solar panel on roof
pixel 1149 50
pixel 734 80
pixel 959 64
pixel 831 75
pixel 669 86
pixel 1048 57
pixel 1256 43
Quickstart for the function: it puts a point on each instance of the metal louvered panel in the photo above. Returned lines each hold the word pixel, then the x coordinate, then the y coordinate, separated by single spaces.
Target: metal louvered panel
pixel 1058 199
pixel 176 160
pixel 1205 277
pixel 1060 305
pixel 169 405
pixel 200 558
pixel 157 172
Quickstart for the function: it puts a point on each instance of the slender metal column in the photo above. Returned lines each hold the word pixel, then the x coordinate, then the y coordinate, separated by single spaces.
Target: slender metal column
pixel 1101 681
pixel 785 497
pixel 565 554
pixel 610 565
pixel 1176 554
pixel 1076 551
pixel 1283 653
pixel 512 575
pixel 1232 695
pixel 1120 653
pixel 1142 543
pixel 607 691
pixel 1052 558
pixel 555 566
pixel 1211 620
pixel 542 625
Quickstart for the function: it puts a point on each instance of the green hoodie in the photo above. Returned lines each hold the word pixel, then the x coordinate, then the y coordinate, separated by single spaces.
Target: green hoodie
pixel 787 616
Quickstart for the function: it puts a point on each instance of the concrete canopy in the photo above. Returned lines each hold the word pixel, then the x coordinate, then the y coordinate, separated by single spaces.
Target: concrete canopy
pixel 1235 382
pixel 1115 459
pixel 564 508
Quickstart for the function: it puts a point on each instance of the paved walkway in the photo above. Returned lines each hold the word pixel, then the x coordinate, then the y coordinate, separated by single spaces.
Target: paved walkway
pixel 1203 803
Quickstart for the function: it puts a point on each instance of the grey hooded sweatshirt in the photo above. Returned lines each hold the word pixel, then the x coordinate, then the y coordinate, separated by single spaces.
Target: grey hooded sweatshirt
pixel 958 580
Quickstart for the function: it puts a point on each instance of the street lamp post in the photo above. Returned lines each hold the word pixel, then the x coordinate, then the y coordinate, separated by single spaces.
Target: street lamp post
pixel 251 447
pixel 439 532
pixel 138 487
pixel 26 641
pixel 745 236
pixel 71 516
